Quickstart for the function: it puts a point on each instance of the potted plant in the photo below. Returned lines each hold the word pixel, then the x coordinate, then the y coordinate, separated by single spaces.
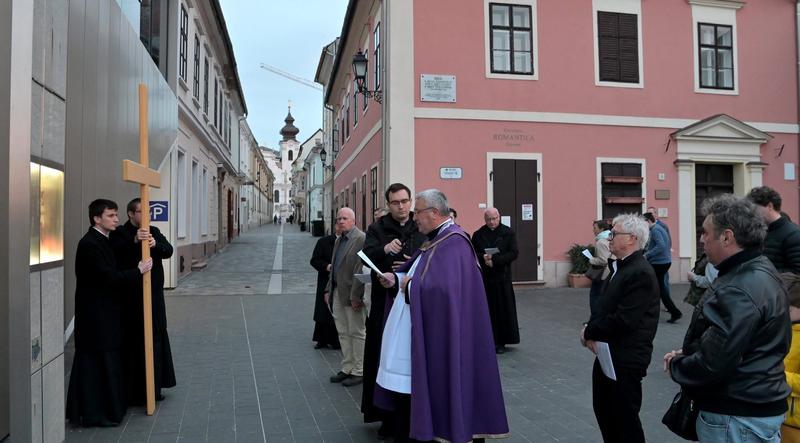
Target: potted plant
pixel 579 263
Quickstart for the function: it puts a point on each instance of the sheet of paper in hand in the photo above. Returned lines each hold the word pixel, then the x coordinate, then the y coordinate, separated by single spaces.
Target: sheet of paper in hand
pixel 492 251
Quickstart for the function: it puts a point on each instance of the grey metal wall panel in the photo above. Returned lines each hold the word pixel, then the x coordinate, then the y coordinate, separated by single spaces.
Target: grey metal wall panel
pixel 106 62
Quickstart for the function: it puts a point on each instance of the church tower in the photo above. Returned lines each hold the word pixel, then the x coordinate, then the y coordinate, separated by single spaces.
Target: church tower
pixel 289 148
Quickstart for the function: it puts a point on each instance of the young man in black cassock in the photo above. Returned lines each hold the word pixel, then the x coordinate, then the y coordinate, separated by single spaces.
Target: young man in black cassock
pixel 127 246
pixel 496 269
pixel 390 241
pixel 325 333
pixel 96 395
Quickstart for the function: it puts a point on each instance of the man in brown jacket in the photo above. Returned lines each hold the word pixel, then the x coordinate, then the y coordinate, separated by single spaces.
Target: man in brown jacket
pixel 347 300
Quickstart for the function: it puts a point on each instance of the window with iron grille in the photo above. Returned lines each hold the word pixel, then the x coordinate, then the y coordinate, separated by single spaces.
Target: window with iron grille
pixel 621 188
pixel 196 85
pixel 618 47
pixel 511 40
pixel 716 55
pixel 184 43
pixel 373 178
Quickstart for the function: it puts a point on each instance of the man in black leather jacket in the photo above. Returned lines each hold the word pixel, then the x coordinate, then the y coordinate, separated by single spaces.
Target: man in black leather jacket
pixel 731 362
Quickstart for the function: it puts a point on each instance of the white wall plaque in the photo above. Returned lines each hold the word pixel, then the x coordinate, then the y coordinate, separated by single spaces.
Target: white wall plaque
pixel 450 173
pixel 437 88
pixel 788 171
pixel 527 211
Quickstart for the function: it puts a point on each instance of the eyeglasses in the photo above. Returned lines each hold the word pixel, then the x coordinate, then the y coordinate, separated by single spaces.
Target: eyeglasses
pixel 402 202
pixel 420 211
pixel 613 234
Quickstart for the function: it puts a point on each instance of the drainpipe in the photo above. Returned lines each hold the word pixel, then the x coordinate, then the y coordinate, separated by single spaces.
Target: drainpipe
pixel 797 36
pixel 239 173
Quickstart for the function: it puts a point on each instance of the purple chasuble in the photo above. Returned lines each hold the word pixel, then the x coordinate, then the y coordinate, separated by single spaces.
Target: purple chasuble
pixel 455 384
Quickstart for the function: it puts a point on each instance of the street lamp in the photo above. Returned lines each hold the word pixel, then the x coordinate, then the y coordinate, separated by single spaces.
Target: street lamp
pixel 360 71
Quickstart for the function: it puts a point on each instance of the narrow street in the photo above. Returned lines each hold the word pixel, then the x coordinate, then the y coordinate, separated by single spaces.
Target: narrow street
pixel 247 372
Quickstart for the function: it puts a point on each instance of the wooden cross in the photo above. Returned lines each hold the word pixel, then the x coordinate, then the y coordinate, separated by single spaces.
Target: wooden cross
pixel 142 174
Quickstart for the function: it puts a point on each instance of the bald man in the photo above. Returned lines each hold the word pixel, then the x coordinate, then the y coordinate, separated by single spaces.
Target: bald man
pixel 345 295
pixel 496 246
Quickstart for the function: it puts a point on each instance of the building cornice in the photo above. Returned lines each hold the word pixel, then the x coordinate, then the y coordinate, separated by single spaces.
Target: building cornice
pixel 730 4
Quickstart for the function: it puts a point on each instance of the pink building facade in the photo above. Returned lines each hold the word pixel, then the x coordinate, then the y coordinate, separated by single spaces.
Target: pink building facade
pixel 560 113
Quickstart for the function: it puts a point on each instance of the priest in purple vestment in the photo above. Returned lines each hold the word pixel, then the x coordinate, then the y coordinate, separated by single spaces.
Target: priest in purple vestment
pixel 455 383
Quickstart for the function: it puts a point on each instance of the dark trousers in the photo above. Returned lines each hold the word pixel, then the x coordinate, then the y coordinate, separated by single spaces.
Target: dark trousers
pixel 661 271
pixel 616 405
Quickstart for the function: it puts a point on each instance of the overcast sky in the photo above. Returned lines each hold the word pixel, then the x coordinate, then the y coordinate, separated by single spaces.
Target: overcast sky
pixel 288 35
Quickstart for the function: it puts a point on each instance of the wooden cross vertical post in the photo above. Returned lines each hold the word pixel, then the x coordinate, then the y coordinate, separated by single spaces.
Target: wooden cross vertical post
pixel 142 174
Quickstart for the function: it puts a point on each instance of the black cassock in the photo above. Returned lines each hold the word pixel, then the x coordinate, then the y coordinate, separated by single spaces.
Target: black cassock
pixel 497 280
pixel 324 327
pixel 129 253
pixel 96 386
pixel 379 234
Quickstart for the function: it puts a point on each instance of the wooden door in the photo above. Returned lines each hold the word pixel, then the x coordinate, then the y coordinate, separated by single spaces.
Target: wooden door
pixel 709 180
pixel 515 192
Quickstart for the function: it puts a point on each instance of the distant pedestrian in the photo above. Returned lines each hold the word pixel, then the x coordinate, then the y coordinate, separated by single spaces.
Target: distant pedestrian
pixel 731 361
pixel 626 319
pixel 275 219
pixel 659 256
pixel 324 327
pixel 453 214
pixel 653 210
pixel 96 395
pixel 378 213
pixel 601 231
pixel 345 295
pixel 700 279
pixel 496 247
pixel 782 245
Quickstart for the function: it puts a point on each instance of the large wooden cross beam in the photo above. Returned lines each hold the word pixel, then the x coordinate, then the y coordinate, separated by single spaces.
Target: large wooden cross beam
pixel 142 174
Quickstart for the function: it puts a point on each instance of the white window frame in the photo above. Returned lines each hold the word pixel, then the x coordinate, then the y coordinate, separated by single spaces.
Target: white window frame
pixel 534 40
pixel 623 7
pixel 631 160
pixel 717 13
pixel 182 200
pixel 195 201
pixel 204 207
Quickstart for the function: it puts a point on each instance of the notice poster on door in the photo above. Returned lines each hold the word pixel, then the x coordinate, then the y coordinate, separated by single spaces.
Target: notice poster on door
pixel 527 212
pixel 506 220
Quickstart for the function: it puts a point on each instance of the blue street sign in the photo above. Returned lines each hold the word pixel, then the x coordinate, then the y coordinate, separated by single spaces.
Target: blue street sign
pixel 159 211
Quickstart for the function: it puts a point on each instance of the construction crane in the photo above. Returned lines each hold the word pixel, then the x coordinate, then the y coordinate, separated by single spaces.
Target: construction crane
pixel 292 77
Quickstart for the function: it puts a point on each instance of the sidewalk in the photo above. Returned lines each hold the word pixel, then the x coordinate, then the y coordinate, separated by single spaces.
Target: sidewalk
pixel 247 372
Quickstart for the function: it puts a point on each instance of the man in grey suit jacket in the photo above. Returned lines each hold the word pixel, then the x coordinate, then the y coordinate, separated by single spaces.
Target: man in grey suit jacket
pixel 347 302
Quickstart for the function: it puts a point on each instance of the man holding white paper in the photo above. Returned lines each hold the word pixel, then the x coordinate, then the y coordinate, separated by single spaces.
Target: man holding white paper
pixel 345 295
pixel 626 319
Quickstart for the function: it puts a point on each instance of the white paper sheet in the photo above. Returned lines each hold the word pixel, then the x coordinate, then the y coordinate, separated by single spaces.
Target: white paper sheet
pixel 492 251
pixel 369 262
pixel 604 357
pixel 587 254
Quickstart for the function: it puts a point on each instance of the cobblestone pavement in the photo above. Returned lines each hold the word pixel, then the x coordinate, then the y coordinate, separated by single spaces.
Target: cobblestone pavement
pixel 241 341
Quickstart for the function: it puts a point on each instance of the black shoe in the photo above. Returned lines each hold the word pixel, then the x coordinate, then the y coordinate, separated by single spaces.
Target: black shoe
pixel 159 397
pixel 675 318
pixel 319 345
pixel 339 377
pixel 353 380
pixel 386 430
pixel 335 347
pixel 500 349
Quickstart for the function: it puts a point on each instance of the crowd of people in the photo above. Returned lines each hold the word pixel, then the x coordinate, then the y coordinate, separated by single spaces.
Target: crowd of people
pixel 737 368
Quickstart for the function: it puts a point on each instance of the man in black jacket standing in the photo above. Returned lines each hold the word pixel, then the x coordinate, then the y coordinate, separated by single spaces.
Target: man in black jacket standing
pixel 127 247
pixel 782 245
pixel 390 241
pixel 96 395
pixel 627 319
pixel 731 362
pixel 496 247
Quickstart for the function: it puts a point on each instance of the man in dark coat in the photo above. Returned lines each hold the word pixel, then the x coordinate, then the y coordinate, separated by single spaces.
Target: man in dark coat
pixel 390 241
pixel 782 245
pixel 96 395
pixel 324 327
pixel 626 319
pixel 127 246
pixel 496 247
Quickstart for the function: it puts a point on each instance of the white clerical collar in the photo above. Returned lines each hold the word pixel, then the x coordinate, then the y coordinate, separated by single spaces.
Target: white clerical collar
pixel 101 231
pixel 444 224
